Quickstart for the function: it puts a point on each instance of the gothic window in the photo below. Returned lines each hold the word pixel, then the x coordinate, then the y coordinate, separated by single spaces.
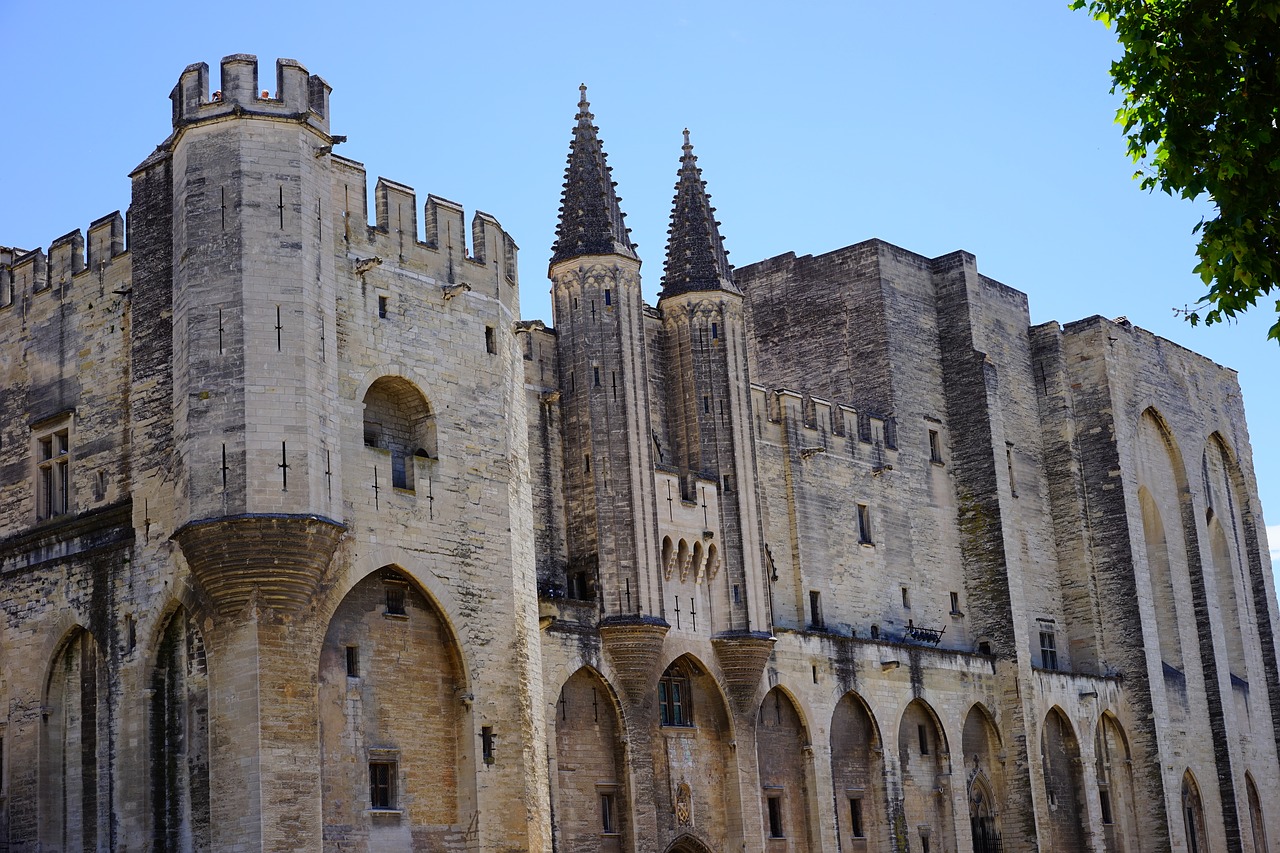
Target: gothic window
pixel 675 700
pixel 53 472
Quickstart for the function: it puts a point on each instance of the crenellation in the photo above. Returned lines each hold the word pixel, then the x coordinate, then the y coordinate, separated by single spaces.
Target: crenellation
pixel 106 240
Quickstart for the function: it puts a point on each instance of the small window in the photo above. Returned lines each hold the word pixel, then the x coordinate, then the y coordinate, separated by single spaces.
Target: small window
pixel 1104 800
pixel 1048 650
pixel 382 307
pixel 856 827
pixel 596 370
pixel 608 296
pixel 923 734
pixel 353 661
pixel 984 648
pixel 608 807
pixel 395 599
pixel 906 598
pixel 715 331
pixel 775 816
pixel 864 525
pixel 955 604
pixel 674 705
pixel 935 447
pixel 1013 482
pixel 815 609
pixel 486 744
pixel 382 785
pixel 490 340
pixel 875 632
pixel 53 475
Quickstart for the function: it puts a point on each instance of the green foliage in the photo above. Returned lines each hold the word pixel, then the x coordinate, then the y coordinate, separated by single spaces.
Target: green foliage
pixel 1201 86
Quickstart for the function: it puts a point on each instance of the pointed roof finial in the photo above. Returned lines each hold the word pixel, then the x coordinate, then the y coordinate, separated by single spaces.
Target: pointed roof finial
pixel 591 222
pixel 696 259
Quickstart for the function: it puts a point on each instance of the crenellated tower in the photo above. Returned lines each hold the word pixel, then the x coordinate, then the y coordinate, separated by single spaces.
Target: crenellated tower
pixel 709 412
pixel 240 192
pixel 599 314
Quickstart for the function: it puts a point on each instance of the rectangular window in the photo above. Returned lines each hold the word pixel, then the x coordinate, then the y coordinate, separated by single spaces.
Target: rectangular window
pixel 608 806
pixel 382 784
pixel 864 525
pixel 935 447
pixel 1013 483
pixel 490 340
pixel 906 598
pixel 1104 800
pixel 923 734
pixel 715 331
pixel 955 603
pixel 395 599
pixel 486 744
pixel 608 296
pixel 815 608
pixel 775 816
pixel 53 477
pixel 855 818
pixel 382 307
pixel 353 661
pixel 1048 650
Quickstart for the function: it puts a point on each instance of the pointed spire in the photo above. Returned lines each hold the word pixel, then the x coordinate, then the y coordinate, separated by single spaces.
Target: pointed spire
pixel 591 223
pixel 696 259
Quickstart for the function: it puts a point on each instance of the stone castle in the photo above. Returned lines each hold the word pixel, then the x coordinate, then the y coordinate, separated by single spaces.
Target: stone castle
pixel 311 542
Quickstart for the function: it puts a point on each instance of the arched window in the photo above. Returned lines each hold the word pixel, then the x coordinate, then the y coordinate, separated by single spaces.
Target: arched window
pixel 1193 815
pixel 398 420
pixel 675 699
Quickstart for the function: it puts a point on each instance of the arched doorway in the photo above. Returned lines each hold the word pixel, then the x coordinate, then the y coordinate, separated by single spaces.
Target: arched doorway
pixel 391 719
pixel 984 774
pixel 590 805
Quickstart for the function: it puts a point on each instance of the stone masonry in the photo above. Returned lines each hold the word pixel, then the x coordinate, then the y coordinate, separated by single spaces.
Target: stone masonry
pixel 309 542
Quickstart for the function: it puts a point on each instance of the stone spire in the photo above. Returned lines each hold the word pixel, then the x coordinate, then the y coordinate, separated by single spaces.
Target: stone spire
pixel 591 223
pixel 696 259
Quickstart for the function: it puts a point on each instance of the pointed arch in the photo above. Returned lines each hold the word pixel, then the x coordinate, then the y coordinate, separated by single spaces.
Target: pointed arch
pixel 693 749
pixel 1224 579
pixel 399 420
pixel 74 746
pixel 1257 820
pixel 1117 796
pixel 591 802
pixel 781 748
pixel 924 756
pixel 179 734
pixel 688 843
pixel 857 773
pixel 1063 783
pixel 1193 815
pixel 1164 599
pixel 984 775
pixel 393 713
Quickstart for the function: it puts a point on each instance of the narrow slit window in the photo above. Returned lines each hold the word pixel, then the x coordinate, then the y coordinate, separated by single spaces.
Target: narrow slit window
pixel 608 801
pixel 856 828
pixel 353 661
pixel 775 817
pixel 935 447
pixel 923 734
pixel 490 340
pixel 815 608
pixel 382 307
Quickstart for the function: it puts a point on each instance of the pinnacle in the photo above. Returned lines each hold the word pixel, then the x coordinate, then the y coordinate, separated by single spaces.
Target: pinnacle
pixel 591 221
pixel 696 258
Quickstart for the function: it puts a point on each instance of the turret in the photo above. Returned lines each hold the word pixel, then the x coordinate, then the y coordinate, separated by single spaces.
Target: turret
pixel 599 314
pixel 709 410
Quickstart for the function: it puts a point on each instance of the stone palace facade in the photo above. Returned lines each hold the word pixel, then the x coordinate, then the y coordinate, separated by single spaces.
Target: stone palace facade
pixel 310 542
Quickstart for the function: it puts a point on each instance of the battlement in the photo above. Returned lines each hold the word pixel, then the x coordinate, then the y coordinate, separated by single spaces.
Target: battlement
pixel 296 95
pixel 394 231
pixel 27 272
pixel 818 418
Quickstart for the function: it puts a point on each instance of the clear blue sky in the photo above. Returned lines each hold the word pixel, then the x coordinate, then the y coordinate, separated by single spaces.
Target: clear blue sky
pixel 933 125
